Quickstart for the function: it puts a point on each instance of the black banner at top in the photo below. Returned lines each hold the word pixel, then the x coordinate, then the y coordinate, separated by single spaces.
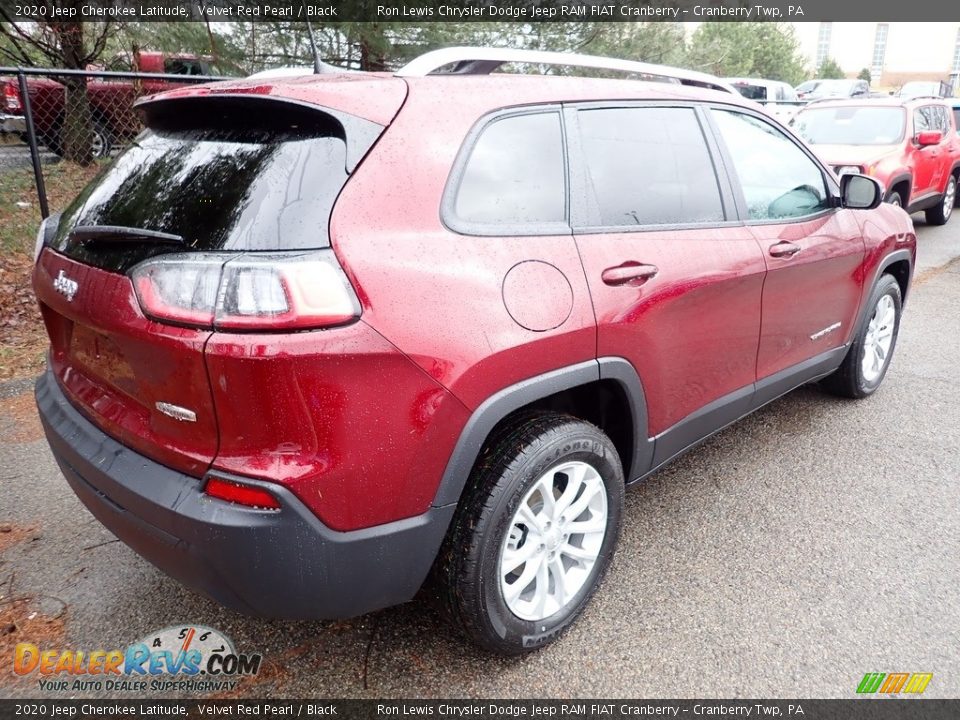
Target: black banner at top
pixel 526 11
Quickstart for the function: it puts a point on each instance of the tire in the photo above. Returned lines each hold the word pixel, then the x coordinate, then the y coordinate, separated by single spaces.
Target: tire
pixel 852 380
pixel 101 141
pixel 490 526
pixel 943 210
pixel 894 198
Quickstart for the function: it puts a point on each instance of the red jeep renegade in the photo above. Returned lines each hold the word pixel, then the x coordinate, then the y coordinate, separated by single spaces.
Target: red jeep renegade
pixel 314 337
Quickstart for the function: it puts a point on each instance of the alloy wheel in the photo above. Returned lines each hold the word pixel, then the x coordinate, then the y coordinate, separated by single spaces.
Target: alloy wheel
pixel 553 541
pixel 879 338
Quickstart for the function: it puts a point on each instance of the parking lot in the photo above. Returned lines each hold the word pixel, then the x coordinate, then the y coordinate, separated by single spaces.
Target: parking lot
pixel 792 553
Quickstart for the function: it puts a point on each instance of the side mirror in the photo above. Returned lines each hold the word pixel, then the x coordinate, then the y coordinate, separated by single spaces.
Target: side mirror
pixel 931 137
pixel 859 192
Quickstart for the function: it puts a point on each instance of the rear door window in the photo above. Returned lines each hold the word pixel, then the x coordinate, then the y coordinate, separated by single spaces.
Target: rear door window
pixel 514 180
pixel 647 166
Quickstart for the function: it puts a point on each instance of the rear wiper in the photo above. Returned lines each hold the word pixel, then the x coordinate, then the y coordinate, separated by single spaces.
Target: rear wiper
pixel 119 234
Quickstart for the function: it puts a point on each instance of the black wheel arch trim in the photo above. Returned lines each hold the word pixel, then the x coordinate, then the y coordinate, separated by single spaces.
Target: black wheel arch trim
pixel 902 177
pixel 882 266
pixel 514 397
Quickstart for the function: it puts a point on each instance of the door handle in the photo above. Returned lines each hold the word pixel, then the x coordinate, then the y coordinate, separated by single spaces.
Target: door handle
pixel 630 273
pixel 784 249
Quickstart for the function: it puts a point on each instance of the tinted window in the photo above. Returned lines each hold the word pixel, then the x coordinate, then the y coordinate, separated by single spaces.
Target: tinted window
pixel 184 66
pixel 779 180
pixel 234 188
pixel 956 118
pixel 648 166
pixel 515 173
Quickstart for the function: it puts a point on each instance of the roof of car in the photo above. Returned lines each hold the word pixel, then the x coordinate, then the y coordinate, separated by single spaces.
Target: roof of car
pixel 376 96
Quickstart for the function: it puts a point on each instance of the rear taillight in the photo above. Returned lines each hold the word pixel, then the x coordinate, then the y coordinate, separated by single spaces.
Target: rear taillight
pixel 249 292
pixel 241 494
pixel 11 98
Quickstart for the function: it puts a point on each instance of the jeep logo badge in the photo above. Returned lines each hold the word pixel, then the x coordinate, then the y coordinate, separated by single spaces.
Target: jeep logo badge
pixel 65 286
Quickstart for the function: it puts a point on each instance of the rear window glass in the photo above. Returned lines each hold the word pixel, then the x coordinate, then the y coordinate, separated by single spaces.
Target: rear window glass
pixel 956 118
pixel 219 189
pixel 515 174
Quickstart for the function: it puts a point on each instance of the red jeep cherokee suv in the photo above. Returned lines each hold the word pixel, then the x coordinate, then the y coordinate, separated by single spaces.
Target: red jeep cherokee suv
pixel 910 146
pixel 314 337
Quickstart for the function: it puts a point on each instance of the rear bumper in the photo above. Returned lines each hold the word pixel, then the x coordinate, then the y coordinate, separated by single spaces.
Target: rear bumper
pixel 282 563
pixel 16 124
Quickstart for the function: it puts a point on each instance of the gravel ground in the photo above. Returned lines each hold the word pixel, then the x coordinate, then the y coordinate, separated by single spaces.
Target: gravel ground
pixel 815 541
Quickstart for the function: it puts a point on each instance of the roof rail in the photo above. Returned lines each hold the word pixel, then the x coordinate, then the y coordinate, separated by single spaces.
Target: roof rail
pixel 483 61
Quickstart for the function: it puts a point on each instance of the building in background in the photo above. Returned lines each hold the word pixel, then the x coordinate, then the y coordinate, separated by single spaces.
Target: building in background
pixel 894 53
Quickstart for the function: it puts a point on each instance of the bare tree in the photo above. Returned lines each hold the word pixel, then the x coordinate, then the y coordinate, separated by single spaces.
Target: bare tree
pixel 69 45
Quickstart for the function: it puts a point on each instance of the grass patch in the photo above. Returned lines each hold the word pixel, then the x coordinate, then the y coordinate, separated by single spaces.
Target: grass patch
pixel 20 209
pixel 23 340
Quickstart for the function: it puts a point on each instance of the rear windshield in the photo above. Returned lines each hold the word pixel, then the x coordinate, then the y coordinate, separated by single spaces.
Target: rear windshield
pixel 219 188
pixel 851 125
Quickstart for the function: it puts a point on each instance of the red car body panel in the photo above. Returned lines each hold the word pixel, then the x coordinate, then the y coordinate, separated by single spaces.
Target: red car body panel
pixel 116 364
pixel 827 273
pixel 335 416
pixel 692 330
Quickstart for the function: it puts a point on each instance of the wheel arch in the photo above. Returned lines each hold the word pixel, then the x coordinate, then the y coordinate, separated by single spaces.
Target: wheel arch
pixel 573 384
pixel 899 264
pixel 901 179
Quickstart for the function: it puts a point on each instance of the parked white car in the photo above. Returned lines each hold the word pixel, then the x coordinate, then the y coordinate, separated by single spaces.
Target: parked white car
pixel 779 98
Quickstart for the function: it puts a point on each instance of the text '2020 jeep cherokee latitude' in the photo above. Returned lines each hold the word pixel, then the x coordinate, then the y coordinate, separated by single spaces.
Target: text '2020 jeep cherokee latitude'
pixel 312 338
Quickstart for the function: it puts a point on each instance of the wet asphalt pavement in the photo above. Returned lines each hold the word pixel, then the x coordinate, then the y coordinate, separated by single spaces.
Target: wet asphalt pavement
pixel 813 542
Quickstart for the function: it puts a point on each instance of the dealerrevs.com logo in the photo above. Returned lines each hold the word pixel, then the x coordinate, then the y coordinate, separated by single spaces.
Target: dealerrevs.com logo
pixel 187 658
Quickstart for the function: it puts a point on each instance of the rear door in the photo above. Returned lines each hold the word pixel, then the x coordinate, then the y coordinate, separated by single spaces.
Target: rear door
pixel 813 251
pixel 675 278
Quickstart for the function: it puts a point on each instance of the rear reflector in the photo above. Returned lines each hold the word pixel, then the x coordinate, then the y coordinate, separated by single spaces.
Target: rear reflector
pixel 249 292
pixel 248 495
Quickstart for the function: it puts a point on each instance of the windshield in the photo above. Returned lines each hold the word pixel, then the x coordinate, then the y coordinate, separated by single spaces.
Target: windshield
pixel 920 89
pixel 750 91
pixel 858 125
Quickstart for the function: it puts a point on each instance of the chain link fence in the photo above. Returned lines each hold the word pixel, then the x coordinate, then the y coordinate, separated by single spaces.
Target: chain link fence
pixel 82 116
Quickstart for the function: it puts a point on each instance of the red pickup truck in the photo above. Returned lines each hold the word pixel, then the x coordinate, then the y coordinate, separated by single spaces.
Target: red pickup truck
pixel 111 99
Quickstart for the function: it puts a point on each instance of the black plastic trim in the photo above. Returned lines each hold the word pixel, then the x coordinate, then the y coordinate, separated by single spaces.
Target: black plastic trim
pixel 284 564
pixel 714 417
pixel 888 260
pixel 512 398
pixel 898 179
